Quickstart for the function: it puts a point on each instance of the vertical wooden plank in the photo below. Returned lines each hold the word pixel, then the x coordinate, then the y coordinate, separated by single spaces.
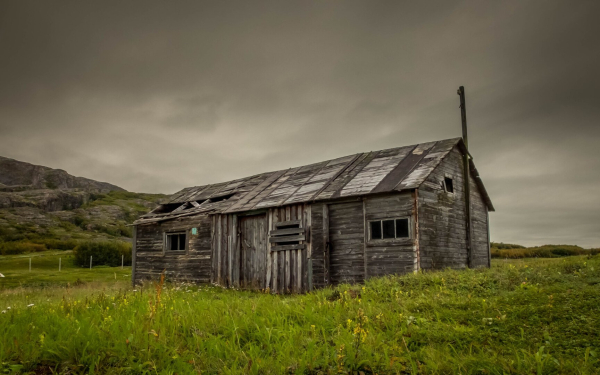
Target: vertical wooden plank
pixel 365 237
pixel 487 223
pixel 219 242
pixel 269 261
pixel 416 234
pixel 133 254
pixel 213 247
pixel 287 271
pixel 299 253
pixel 287 256
pixel 326 262
pixel 274 217
pixel 224 234
pixel 308 220
pixel 232 246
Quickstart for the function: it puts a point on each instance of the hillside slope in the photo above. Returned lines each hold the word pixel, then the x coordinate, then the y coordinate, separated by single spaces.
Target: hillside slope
pixel 41 203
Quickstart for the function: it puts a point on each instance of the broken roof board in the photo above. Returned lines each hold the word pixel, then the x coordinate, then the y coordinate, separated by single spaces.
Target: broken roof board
pixel 394 169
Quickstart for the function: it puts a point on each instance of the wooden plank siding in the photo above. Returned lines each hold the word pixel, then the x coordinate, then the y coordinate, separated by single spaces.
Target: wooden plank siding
pixel 192 264
pixel 390 256
pixel 479 232
pixel 346 236
pixel 442 218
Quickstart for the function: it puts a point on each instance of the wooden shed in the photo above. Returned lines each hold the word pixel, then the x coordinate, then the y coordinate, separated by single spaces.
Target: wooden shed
pixel 343 220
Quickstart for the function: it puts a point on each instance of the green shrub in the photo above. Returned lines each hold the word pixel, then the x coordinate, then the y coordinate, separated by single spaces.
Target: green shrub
pixel 13 248
pixel 106 253
pixel 546 251
pixel 504 246
pixel 55 244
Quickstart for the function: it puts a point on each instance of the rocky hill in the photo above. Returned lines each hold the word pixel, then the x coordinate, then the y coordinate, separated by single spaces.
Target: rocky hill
pixel 17 175
pixel 41 203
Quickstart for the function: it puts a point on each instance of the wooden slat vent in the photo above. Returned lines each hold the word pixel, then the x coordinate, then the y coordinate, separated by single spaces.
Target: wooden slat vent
pixel 287 236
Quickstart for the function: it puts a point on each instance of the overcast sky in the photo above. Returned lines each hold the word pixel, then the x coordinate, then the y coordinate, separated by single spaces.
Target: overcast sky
pixel 155 96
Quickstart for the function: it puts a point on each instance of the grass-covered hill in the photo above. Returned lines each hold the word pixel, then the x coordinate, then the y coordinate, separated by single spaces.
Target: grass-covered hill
pixel 99 216
pixel 41 205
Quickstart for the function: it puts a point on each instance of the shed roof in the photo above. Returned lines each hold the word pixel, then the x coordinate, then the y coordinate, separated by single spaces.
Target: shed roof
pixel 395 169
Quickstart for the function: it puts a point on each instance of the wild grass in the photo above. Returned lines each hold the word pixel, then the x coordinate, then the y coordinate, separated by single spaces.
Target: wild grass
pixel 45 274
pixel 528 316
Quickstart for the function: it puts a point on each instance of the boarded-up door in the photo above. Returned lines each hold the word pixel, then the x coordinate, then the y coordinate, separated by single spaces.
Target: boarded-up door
pixel 346 242
pixel 253 245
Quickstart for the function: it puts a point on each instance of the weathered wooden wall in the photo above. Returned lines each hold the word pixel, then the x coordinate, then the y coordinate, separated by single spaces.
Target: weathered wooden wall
pixel 319 237
pixel 479 223
pixel 442 225
pixel 442 218
pixel 192 264
pixel 346 242
pixel 281 271
pixel 390 256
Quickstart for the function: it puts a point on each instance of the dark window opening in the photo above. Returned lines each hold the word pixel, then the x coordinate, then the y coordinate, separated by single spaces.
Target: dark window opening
pixel 175 241
pixel 389 229
pixel 376 230
pixel 402 228
pixel 449 185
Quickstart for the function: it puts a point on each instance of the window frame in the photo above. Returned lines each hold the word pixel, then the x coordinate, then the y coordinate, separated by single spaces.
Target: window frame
pixel 166 246
pixel 446 187
pixel 394 218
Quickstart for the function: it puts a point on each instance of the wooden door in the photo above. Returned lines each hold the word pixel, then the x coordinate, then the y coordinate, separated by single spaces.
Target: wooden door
pixel 253 245
pixel 346 243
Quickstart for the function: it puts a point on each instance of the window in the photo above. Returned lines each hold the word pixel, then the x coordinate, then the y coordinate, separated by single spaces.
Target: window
pixel 175 241
pixel 448 185
pixel 389 229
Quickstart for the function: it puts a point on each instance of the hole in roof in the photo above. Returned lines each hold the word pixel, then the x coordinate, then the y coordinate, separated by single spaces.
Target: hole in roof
pixel 166 208
pixel 221 198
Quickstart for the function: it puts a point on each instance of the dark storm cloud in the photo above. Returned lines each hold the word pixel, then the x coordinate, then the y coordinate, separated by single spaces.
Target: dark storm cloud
pixel 156 96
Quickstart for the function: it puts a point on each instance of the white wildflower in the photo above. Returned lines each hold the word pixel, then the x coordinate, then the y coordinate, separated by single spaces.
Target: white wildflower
pixel 3 311
pixel 8 308
pixel 31 304
pixel 1 275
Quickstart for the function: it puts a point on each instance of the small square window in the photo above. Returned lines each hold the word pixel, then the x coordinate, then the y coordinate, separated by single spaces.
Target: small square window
pixel 376 230
pixel 388 229
pixel 175 241
pixel 449 185
pixel 402 228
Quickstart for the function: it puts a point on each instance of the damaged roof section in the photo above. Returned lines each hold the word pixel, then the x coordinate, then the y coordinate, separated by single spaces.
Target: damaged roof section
pixel 395 169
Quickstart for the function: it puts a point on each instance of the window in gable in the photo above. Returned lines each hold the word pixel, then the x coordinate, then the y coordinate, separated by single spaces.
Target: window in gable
pixel 448 185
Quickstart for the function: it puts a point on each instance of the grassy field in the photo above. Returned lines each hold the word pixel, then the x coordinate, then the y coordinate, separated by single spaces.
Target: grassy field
pixel 532 316
pixel 44 271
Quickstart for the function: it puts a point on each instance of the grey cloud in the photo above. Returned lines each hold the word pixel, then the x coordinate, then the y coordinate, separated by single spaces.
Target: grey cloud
pixel 156 96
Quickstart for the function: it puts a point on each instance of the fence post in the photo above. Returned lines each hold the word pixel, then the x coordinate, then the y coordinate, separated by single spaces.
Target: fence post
pixel 90 262
pixel 29 264
pixel 59 263
pixel 122 261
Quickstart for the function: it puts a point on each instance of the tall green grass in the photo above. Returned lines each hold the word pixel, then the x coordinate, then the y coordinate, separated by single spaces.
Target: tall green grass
pixel 519 317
